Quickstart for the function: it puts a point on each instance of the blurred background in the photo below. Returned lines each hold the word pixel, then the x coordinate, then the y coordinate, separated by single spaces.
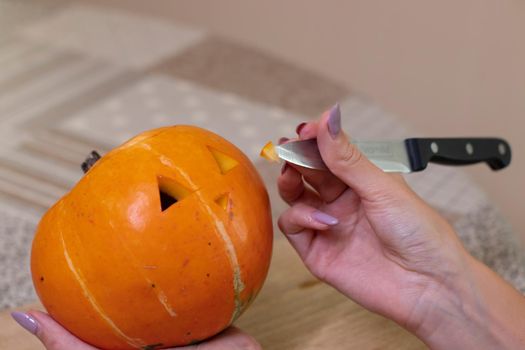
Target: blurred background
pixel 82 75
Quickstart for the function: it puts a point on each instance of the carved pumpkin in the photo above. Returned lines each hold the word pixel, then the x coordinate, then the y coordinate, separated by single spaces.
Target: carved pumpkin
pixel 164 242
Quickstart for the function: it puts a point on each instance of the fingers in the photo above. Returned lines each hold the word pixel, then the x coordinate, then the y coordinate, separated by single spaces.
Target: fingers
pixel 50 333
pixel 301 216
pixel 232 338
pixel 292 188
pixel 299 224
pixel 348 163
pixel 290 184
pixel 325 183
pixel 308 130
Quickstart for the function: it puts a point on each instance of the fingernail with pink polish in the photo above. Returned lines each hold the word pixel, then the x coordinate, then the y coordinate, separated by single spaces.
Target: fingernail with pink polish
pixel 324 218
pixel 282 140
pixel 299 128
pixel 334 121
pixel 26 321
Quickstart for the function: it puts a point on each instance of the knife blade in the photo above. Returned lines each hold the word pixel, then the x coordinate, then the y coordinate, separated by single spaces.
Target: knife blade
pixel 410 155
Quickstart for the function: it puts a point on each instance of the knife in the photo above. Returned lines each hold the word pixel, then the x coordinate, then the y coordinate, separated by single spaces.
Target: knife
pixel 410 155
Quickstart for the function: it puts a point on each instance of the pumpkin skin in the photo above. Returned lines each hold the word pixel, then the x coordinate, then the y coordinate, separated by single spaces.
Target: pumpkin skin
pixel 121 273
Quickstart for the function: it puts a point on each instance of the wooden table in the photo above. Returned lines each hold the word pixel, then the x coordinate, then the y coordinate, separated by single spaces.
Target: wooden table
pixel 293 311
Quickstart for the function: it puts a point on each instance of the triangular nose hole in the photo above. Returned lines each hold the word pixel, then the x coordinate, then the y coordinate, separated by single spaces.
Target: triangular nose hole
pixel 170 192
pixel 223 201
pixel 225 162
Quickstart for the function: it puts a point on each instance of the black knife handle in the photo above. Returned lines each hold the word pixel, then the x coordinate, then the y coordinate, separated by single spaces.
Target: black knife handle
pixel 458 151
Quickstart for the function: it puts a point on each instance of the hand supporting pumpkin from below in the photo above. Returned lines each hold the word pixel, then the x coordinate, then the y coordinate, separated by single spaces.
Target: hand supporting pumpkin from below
pixel 366 233
pixel 164 242
pixel 54 337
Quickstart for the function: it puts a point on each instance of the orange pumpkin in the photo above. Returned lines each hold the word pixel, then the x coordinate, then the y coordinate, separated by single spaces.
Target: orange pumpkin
pixel 165 241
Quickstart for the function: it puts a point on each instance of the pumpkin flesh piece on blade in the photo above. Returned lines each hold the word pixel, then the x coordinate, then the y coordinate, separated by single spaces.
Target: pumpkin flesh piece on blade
pixel 268 152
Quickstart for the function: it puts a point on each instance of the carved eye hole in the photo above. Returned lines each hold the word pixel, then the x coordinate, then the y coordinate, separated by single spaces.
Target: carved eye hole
pixel 170 192
pixel 225 162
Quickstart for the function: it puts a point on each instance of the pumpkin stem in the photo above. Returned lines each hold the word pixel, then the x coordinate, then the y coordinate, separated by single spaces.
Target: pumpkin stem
pixel 90 161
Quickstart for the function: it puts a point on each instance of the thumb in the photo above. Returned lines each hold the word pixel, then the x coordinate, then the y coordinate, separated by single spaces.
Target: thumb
pixel 347 162
pixel 50 333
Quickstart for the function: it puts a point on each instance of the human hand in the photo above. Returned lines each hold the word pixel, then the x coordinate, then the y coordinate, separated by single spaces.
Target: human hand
pixel 55 337
pixel 388 248
pixel 366 233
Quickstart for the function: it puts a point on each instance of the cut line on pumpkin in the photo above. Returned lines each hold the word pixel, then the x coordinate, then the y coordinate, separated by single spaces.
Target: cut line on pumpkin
pixel 81 280
pixel 238 283
pixel 225 162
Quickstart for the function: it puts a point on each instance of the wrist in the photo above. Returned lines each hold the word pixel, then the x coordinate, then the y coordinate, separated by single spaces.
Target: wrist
pixel 473 308
pixel 449 308
pixel 442 298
